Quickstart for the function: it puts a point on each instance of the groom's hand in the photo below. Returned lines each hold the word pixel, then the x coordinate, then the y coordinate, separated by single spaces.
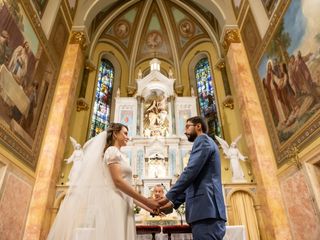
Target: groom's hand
pixel 167 208
pixel 163 201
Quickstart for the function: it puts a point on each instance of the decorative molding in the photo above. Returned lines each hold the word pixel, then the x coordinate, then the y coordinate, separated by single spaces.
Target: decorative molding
pixel 90 66
pixel 293 155
pixel 13 143
pixel 221 64
pixel 79 38
pixel 228 102
pixel 179 89
pixel 230 36
pixel 131 90
pixel 250 35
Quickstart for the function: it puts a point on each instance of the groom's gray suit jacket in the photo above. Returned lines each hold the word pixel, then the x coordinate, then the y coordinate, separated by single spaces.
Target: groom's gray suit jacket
pixel 200 183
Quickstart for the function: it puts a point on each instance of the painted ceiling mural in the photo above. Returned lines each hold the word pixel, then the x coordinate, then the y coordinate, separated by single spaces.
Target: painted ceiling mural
pixel 155 39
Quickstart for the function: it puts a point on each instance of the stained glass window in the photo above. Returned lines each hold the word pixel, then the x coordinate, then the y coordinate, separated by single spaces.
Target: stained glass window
pixel 103 98
pixel 207 98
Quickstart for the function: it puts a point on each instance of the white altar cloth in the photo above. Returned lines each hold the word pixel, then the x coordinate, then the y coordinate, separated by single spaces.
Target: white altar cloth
pixel 12 93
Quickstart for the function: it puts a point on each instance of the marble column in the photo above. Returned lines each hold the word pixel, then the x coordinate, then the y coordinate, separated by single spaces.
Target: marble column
pixel 54 140
pixel 139 100
pixel 222 68
pixel 173 114
pixel 141 111
pixel 255 131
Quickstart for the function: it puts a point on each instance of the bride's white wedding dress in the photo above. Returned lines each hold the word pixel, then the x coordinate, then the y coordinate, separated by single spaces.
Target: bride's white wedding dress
pixel 94 209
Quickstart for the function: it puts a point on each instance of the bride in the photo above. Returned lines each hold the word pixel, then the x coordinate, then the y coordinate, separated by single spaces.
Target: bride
pixel 100 205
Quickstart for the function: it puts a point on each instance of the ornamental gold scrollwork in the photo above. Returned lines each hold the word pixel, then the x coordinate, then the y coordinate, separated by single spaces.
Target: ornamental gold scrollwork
pixel 228 102
pixel 230 36
pixel 131 90
pixel 179 89
pixel 293 156
pixel 221 65
pixel 82 105
pixel 78 38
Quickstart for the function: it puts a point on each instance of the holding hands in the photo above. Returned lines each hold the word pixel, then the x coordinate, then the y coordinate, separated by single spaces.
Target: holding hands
pixel 165 207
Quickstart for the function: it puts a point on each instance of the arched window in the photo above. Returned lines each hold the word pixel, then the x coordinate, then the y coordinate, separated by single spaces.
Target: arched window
pixel 206 96
pixel 103 98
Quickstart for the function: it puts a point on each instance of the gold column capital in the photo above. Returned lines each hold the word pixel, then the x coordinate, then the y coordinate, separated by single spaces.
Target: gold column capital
pixel 179 89
pixel 221 64
pixel 90 66
pixel 79 38
pixel 131 90
pixel 230 36
pixel 82 105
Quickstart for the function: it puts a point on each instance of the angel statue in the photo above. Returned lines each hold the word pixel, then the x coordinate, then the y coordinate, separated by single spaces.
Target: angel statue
pixel 77 159
pixel 232 152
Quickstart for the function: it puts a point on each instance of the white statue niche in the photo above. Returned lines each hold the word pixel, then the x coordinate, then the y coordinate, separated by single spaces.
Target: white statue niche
pixel 156 121
pixel 157 166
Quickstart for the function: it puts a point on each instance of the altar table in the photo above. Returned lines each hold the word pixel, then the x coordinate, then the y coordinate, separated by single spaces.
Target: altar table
pixel 233 233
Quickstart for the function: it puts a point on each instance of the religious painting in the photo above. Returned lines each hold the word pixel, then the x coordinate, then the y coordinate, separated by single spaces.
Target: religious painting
pixel 154 40
pixel 122 29
pixel 126 118
pixel 25 76
pixel 40 6
pixel 186 28
pixel 288 72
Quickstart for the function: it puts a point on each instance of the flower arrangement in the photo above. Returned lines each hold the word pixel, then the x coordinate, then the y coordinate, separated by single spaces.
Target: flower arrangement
pixel 181 211
pixel 136 209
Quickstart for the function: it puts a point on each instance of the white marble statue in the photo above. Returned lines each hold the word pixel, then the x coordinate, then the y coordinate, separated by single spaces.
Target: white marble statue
pixel 77 159
pixel 232 152
pixel 170 73
pixel 156 118
pixel 192 92
pixel 139 73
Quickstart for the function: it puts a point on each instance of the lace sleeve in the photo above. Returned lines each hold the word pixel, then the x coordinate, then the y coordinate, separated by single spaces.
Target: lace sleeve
pixel 112 155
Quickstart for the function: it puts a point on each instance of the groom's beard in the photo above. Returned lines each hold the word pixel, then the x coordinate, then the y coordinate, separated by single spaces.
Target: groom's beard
pixel 191 136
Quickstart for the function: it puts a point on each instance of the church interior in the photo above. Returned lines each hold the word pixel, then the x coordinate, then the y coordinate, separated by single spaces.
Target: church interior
pixel 250 68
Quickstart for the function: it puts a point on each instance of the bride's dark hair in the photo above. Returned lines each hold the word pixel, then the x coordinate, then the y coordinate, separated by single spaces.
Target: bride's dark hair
pixel 112 129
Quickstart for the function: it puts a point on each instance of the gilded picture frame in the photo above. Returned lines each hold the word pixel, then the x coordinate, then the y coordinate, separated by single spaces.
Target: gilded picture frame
pixel 27 80
pixel 287 78
pixel 40 6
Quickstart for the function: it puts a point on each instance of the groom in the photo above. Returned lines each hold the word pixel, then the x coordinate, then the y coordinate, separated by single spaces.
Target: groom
pixel 200 185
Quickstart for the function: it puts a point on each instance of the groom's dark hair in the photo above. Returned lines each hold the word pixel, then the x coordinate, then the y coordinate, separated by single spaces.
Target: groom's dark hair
pixel 196 120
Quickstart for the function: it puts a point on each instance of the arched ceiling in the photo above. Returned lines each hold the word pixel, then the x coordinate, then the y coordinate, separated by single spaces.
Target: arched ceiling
pixel 88 9
pixel 164 30
pixel 169 20
pixel 143 29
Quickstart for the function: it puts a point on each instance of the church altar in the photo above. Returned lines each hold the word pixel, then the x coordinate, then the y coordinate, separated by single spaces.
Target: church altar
pixel 236 232
pixel 158 150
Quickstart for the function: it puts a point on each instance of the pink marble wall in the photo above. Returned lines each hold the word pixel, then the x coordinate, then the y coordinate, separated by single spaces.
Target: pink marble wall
pixel 301 211
pixel 14 203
